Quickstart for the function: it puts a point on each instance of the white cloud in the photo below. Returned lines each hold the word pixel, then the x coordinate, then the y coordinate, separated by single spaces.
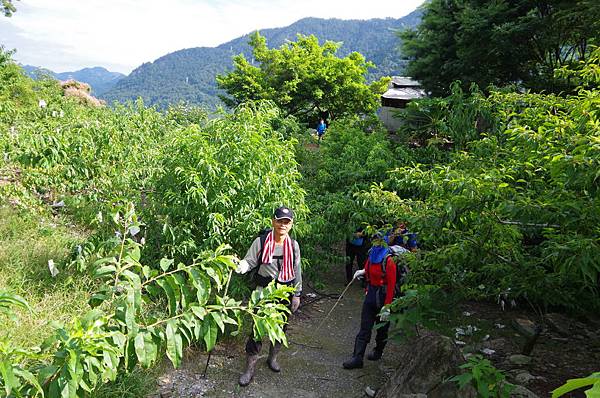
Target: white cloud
pixel 120 35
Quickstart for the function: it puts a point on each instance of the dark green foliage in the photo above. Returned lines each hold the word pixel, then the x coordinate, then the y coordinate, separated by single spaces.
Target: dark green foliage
pixel 198 183
pixel 189 75
pixel 503 191
pixel 349 160
pixel 500 42
pixel 220 183
pixel 15 87
pixel 448 123
pixel 518 209
pixel 488 381
pixel 304 79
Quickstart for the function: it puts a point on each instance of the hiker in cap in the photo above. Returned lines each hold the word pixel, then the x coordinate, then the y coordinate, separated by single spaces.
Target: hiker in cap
pixel 277 257
pixel 380 290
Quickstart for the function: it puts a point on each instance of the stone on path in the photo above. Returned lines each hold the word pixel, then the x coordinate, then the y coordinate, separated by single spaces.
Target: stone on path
pixel 524 326
pixel 522 392
pixel 519 359
pixel 425 363
pixel 559 323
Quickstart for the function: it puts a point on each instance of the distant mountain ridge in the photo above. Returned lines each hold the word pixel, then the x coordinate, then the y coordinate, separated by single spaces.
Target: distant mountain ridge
pixel 100 79
pixel 189 75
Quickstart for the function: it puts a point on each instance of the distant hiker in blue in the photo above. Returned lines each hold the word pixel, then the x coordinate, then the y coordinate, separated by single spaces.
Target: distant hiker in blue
pixel 356 247
pixel 321 127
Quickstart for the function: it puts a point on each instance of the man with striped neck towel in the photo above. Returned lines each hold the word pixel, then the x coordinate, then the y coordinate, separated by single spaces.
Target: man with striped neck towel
pixel 277 257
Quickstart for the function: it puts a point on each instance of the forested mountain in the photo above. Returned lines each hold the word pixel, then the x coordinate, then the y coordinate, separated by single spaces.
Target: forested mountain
pixel 189 75
pixel 100 79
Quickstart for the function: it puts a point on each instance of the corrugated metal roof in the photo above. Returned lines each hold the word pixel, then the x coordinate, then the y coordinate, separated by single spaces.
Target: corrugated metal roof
pixel 403 81
pixel 404 93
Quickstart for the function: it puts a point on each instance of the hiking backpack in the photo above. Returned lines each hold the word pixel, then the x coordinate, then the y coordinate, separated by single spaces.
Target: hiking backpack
pixel 401 268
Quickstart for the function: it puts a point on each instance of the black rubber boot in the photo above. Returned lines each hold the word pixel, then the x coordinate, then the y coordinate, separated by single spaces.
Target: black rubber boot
pixel 353 363
pixel 272 360
pixel 375 355
pixel 247 376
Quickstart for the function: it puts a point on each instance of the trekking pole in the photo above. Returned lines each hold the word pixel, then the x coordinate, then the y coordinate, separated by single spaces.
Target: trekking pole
pixel 332 308
pixel 210 352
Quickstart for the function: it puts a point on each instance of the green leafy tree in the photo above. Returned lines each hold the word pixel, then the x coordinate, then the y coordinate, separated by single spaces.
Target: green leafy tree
pixel 500 42
pixel 7 7
pixel 304 79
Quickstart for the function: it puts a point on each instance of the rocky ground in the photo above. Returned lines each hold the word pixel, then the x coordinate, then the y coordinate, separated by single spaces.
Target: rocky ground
pixel 311 366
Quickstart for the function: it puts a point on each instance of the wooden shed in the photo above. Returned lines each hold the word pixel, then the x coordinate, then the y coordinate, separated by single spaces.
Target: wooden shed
pixel 401 91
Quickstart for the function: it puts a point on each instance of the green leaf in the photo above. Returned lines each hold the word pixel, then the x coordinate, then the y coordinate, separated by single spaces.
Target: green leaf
pixel 30 378
pixel 202 285
pixel 594 392
pixel 462 379
pixel 145 349
pixel 174 344
pixel 133 278
pixel 166 263
pixel 574 384
pixel 215 276
pixel 135 254
pixel 187 297
pixel 219 321
pixel 131 312
pixel 170 295
pixel 209 331
pixel 7 299
pixel 11 382
pixel 105 270
pixel 200 312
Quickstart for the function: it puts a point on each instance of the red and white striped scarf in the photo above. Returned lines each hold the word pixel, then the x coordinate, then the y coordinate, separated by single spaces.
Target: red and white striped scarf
pixel 286 273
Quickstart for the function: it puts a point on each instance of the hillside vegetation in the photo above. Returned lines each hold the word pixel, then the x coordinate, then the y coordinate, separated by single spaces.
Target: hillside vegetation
pixel 189 75
pixel 134 216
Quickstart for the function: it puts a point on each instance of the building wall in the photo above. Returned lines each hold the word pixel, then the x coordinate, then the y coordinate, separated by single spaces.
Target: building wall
pixel 386 115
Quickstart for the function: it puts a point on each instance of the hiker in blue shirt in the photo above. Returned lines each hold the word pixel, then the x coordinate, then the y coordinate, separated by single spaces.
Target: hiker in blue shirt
pixel 357 248
pixel 321 127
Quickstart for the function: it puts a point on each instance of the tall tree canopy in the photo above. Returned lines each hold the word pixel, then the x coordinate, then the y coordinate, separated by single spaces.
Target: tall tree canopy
pixel 500 42
pixel 304 79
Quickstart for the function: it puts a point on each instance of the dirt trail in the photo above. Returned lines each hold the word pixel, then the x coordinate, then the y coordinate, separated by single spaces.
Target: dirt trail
pixel 307 371
pixel 569 349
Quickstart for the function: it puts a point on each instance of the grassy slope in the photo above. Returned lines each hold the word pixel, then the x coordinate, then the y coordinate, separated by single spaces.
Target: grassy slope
pixel 27 242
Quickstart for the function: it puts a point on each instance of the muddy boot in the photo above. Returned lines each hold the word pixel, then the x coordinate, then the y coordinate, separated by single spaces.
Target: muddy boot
pixel 375 355
pixel 353 363
pixel 246 377
pixel 272 360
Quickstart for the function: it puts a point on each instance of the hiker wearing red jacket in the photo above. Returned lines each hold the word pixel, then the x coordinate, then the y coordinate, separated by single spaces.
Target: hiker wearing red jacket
pixel 379 292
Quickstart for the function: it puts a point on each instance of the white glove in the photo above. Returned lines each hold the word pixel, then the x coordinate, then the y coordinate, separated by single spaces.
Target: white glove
pixel 295 303
pixel 359 273
pixel 384 315
pixel 242 267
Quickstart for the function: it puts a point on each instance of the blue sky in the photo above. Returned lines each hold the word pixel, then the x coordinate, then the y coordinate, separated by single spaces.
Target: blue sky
pixel 67 35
